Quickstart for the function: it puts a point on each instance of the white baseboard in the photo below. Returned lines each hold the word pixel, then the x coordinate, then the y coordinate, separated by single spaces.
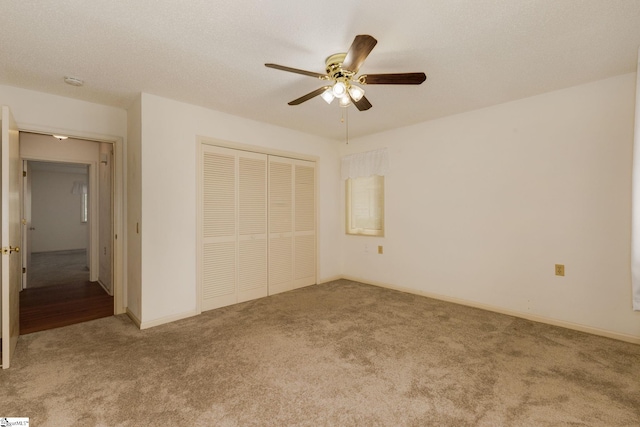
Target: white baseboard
pixel 167 319
pixel 533 317
pixel 105 288
pixel 133 318
pixel 330 279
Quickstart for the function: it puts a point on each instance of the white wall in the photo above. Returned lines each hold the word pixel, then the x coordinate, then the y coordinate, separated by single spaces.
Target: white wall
pixel 35 146
pixel 41 111
pixel 134 211
pixel 56 212
pixel 168 167
pixel 481 205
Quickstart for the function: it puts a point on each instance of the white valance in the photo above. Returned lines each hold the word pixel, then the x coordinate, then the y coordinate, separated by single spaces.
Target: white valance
pixel 79 187
pixel 365 164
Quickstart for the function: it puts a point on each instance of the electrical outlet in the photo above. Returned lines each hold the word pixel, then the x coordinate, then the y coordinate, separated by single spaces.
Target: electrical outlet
pixel 559 269
pixel 380 250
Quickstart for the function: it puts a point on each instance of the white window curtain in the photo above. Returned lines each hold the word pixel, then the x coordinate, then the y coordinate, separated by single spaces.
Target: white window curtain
pixel 79 187
pixel 635 209
pixel 365 164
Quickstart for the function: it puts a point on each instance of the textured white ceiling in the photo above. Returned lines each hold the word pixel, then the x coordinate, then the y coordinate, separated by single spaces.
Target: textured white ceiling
pixel 475 53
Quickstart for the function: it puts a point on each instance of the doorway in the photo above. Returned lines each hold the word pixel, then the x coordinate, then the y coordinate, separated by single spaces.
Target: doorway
pixel 56 212
pixel 67 232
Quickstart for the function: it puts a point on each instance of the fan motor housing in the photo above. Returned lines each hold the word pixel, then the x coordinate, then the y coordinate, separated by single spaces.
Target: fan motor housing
pixel 334 67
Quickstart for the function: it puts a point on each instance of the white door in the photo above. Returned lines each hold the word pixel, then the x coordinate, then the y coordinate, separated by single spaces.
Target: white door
pixel 10 236
pixel 281 224
pixel 305 224
pixel 292 224
pixel 252 226
pixel 219 235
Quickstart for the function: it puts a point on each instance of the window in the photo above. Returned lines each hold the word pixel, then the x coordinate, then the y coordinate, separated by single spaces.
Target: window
pixel 80 188
pixel 365 205
pixel 84 214
pixel 364 176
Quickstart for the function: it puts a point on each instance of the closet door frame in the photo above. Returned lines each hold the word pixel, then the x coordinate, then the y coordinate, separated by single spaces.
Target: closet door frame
pixel 202 141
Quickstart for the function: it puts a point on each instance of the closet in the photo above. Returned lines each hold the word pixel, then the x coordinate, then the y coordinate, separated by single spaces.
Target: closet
pixel 256 225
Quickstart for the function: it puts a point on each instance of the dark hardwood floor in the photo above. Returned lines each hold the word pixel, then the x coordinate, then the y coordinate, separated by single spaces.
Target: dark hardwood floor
pixel 60 293
pixel 62 305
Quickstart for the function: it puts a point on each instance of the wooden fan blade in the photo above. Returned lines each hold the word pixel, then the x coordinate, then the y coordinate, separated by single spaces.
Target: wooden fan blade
pixel 360 48
pixel 393 79
pixel 309 96
pixel 297 71
pixel 361 105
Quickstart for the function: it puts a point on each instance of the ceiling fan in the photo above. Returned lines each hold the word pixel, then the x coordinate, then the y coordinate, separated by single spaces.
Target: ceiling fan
pixel 341 71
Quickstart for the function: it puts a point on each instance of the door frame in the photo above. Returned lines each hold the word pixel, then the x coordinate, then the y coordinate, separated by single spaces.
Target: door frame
pixel 94 217
pixel 118 204
pixel 25 215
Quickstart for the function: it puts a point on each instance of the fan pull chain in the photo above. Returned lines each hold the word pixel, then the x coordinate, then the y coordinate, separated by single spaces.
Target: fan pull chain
pixel 346 122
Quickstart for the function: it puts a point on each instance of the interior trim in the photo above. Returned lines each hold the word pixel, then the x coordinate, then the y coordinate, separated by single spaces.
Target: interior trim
pixel 535 318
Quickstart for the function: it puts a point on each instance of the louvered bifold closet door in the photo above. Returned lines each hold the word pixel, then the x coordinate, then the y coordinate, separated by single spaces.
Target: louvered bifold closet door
pixel 305 223
pixel 281 187
pixel 234 223
pixel 252 226
pixel 219 242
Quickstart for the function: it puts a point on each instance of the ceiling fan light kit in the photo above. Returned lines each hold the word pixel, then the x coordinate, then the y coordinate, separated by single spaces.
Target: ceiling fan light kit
pixel 328 96
pixel 345 101
pixel 356 93
pixel 339 89
pixel 341 69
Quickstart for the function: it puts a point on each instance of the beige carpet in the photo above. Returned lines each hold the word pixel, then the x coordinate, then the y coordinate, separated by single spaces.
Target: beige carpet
pixel 337 354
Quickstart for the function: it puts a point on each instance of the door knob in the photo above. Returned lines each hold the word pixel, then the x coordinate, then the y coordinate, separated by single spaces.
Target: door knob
pixel 14 249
